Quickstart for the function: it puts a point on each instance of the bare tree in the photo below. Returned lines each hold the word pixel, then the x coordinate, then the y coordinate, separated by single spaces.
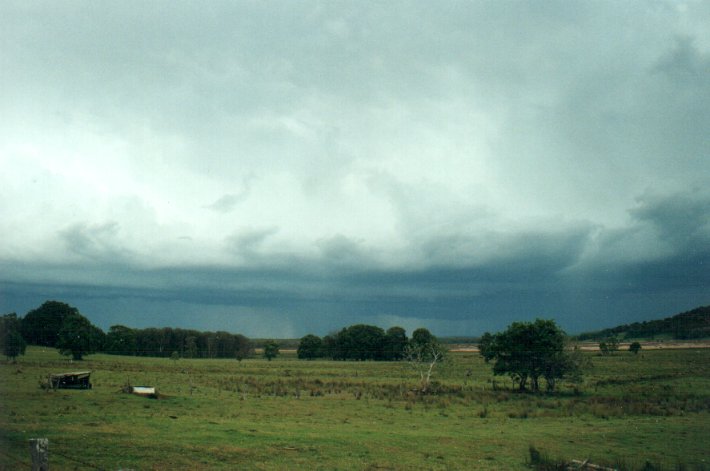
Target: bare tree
pixel 422 354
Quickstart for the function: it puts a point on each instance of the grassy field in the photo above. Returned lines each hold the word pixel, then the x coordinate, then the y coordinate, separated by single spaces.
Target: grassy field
pixel 290 414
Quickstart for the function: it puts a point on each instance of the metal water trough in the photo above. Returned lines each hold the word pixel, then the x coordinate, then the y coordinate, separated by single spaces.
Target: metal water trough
pixel 143 391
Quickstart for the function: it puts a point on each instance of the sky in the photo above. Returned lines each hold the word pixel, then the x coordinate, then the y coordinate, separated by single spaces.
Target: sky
pixel 280 168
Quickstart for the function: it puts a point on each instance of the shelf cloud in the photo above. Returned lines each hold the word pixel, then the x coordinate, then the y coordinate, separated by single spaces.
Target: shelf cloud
pixel 277 169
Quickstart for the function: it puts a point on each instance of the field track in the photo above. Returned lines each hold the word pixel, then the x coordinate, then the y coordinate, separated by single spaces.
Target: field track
pixel 594 346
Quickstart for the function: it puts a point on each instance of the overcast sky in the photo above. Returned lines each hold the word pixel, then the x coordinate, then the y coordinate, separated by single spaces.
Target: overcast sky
pixel 279 168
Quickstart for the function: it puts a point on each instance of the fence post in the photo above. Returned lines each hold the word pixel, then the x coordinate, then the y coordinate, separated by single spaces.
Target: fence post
pixel 39 449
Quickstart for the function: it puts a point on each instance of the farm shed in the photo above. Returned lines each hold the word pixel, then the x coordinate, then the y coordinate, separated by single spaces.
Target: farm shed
pixel 72 380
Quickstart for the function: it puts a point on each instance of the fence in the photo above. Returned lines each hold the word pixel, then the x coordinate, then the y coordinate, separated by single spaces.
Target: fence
pixel 39 457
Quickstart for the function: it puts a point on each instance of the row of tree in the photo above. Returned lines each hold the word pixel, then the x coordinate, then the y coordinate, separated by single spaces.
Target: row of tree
pixel 166 341
pixel 526 351
pixel 362 342
pixel 367 342
pixel 59 325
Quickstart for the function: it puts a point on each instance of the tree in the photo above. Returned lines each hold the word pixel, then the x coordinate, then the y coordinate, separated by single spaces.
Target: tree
pixel 422 336
pixel 11 341
pixel 41 326
pixel 360 342
pixel 603 348
pixel 330 347
pixel 566 364
pixel 395 342
pixel 422 353
pixel 484 347
pixel 121 340
pixel 609 346
pixel 529 351
pixel 79 337
pixel 243 347
pixel 310 347
pixel 635 347
pixel 191 346
pixel 271 350
pixel 613 344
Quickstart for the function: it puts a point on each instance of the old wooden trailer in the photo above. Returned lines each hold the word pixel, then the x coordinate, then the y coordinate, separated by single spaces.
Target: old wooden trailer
pixel 71 380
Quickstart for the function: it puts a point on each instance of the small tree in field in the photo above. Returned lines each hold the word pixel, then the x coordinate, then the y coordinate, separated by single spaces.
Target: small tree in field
pixel 244 348
pixel 422 353
pixel 603 348
pixel 609 346
pixel 271 350
pixel 635 347
pixel 530 351
pixel 11 341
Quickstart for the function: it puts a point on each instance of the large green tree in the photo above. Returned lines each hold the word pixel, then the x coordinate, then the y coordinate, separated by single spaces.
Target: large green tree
pixel 121 340
pixel 79 337
pixel 528 351
pixel 12 343
pixel 395 344
pixel 41 326
pixel 310 347
pixel 360 342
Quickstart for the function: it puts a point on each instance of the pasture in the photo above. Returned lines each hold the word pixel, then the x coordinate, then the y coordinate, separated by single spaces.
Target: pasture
pixel 291 414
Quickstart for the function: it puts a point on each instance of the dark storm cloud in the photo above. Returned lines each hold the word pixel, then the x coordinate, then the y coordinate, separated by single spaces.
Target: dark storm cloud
pixel 673 233
pixel 298 167
pixel 681 220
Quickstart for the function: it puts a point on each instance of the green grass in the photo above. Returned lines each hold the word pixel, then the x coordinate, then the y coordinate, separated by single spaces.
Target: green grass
pixel 290 414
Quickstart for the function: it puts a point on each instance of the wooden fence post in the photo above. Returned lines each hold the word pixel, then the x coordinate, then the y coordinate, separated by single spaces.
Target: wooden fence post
pixel 39 449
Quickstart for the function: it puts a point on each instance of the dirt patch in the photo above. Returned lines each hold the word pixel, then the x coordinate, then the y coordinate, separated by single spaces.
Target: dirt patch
pixel 594 346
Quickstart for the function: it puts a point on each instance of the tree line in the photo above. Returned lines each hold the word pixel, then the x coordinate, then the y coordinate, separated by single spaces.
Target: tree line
pixel 59 325
pixel 166 341
pixel 527 352
pixel 362 342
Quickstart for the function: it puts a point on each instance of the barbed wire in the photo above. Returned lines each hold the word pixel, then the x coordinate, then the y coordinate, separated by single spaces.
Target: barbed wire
pixel 77 460
pixel 25 464
pixel 52 451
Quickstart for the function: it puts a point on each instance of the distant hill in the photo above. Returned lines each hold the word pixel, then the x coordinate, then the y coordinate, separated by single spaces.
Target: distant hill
pixel 693 324
pixel 459 340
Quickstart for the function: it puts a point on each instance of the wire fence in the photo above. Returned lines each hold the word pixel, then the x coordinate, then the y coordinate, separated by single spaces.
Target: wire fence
pixel 25 464
pixel 13 460
pixel 77 460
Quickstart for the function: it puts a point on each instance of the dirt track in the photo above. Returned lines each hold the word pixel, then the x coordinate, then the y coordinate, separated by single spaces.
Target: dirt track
pixel 594 346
